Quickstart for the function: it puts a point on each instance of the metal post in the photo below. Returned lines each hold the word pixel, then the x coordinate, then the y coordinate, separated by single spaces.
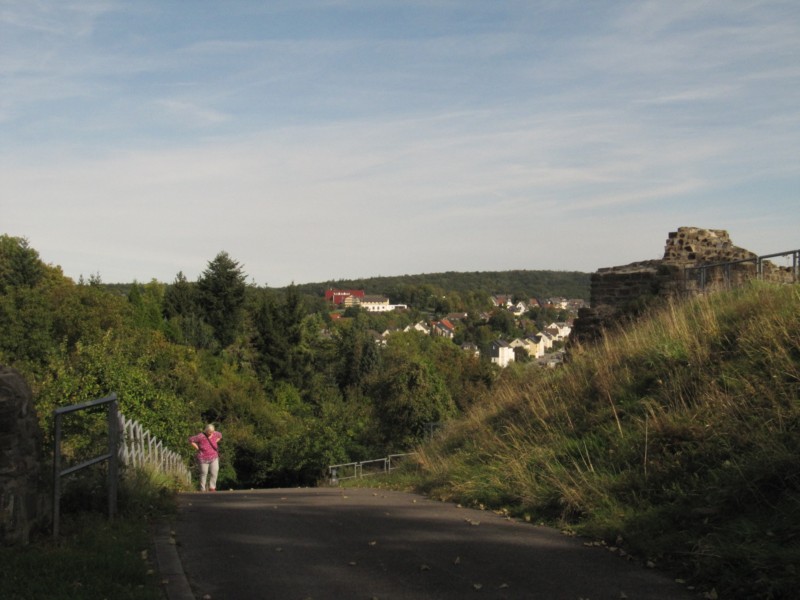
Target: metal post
pixel 113 451
pixel 57 476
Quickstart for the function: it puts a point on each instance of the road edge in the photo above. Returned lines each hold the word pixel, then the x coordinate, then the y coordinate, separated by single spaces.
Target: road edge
pixel 173 578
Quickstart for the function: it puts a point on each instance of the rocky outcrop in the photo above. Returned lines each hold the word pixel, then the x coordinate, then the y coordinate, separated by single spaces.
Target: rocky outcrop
pixel 23 503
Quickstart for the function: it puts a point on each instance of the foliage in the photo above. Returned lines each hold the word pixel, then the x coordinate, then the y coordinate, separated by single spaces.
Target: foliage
pixel 676 437
pixel 410 396
pixel 451 291
pixel 221 297
pixel 290 390
pixel 19 264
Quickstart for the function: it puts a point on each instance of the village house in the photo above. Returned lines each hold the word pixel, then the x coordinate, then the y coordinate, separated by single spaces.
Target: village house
pixel 377 304
pixel 558 331
pixel 471 348
pixel 501 353
pixel 339 297
pixel 547 340
pixel 443 328
pixel 532 344
pixel 520 308
pixel 420 327
pixel 502 301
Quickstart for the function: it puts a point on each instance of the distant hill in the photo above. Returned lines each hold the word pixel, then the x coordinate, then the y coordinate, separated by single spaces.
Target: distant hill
pixel 528 284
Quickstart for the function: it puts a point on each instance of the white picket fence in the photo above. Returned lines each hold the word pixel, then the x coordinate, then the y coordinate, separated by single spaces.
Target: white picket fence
pixel 139 448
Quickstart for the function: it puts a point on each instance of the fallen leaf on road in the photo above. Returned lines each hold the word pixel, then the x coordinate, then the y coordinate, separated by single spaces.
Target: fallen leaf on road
pixel 424 568
pixel 373 543
pixel 457 561
pixel 477 586
pixel 503 586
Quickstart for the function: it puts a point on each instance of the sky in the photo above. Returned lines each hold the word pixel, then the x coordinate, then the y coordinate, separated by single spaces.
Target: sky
pixel 317 140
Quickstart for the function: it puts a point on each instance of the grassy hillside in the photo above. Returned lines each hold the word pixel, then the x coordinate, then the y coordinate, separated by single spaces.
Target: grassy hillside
pixel 677 439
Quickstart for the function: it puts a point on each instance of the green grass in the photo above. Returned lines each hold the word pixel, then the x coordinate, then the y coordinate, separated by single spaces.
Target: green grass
pixel 94 558
pixel 677 437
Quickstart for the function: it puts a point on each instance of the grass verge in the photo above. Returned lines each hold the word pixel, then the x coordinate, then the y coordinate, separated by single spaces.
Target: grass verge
pixel 676 438
pixel 95 558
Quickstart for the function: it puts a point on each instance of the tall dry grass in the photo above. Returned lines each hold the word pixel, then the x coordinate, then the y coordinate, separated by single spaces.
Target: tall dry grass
pixel 679 434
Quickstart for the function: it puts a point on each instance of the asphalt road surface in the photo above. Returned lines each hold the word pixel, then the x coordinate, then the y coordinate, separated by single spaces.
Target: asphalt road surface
pixel 342 544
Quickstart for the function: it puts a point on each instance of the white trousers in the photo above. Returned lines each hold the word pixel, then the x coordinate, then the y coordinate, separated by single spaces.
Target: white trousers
pixel 209 471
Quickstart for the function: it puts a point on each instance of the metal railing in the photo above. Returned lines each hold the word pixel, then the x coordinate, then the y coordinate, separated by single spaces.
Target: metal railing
pixel 365 468
pixel 701 275
pixel 112 456
pixel 128 442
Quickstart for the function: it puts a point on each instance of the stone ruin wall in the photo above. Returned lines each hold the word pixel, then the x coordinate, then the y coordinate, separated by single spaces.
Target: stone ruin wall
pixel 24 507
pixel 618 291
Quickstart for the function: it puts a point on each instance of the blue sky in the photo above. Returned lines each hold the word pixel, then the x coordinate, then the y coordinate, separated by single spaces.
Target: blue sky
pixel 327 139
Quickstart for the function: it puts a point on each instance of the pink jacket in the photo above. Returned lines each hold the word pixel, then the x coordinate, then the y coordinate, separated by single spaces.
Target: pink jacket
pixel 206 445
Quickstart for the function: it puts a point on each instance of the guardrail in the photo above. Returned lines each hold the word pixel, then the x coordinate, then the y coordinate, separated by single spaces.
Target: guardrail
pixel 701 275
pixel 128 442
pixel 112 456
pixel 365 468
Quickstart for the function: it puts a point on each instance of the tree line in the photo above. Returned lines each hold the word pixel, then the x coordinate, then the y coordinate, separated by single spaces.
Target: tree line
pixel 291 389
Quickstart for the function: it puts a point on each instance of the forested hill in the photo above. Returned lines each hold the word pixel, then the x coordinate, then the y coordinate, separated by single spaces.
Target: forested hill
pixel 521 283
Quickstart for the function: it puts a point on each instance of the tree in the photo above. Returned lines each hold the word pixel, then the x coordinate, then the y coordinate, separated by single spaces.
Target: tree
pixel 284 334
pixel 221 295
pixel 179 298
pixel 503 322
pixel 147 302
pixel 409 394
pixel 19 263
pixel 357 352
pixel 408 391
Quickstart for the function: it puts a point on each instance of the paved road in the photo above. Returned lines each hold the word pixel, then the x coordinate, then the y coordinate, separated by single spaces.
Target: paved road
pixel 334 544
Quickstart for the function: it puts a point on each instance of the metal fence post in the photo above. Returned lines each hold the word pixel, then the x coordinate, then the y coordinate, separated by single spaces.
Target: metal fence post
pixel 113 455
pixel 57 476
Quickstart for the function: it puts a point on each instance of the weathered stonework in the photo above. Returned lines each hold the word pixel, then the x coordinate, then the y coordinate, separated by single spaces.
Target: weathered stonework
pixel 617 292
pixel 23 503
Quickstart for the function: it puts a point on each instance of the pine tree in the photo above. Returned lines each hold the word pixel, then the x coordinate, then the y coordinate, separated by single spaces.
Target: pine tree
pixel 221 296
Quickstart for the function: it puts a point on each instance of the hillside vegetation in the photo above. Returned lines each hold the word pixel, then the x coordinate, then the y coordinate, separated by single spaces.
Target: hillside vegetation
pixel 524 284
pixel 292 389
pixel 677 439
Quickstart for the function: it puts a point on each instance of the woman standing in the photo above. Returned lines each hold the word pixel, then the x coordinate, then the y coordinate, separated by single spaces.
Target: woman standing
pixel 206 444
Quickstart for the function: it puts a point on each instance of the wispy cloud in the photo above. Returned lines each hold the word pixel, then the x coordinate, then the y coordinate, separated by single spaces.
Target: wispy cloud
pixel 453 135
pixel 191 113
